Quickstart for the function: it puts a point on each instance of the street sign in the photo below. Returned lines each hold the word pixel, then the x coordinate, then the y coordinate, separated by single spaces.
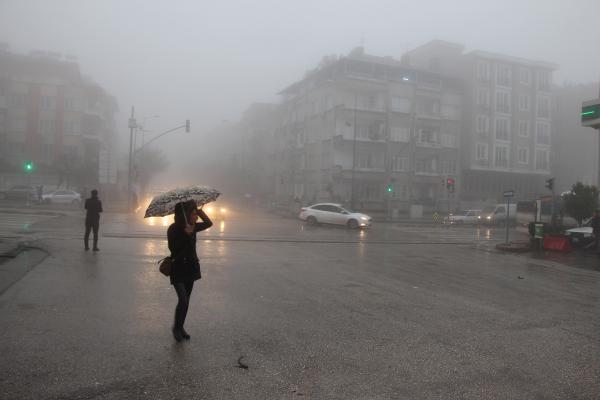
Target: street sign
pixel 509 193
pixel 590 113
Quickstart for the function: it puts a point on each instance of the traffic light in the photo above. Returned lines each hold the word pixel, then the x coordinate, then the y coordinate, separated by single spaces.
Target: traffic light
pixel 187 125
pixel 390 188
pixel 450 184
pixel 28 166
pixel 550 184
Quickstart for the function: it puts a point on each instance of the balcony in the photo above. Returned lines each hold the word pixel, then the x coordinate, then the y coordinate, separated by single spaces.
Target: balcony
pixel 433 145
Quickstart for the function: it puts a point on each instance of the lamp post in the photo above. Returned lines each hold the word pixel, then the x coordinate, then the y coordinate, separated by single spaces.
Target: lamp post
pixel 353 155
pixel 132 124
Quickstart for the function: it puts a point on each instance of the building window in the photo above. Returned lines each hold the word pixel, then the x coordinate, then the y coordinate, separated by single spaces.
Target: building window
pixel 16 148
pixel 429 136
pixel 544 80
pixel 502 129
pixel 47 151
pixel 449 140
pixel 18 100
pixel 70 103
pixel 483 97
pixel 70 151
pixel 369 102
pixel 483 70
pixel 524 76
pixel 46 126
pixel 503 75
pixel 71 127
pixel 17 124
pixel 524 128
pixel 523 155
pixel 543 107
pixel 365 161
pixel 503 102
pixel 523 102
pixel 46 102
pixel 482 152
pixel 399 164
pixel 428 106
pixel 542 133
pixel 501 155
pixel 449 166
pixel 400 104
pixel 399 134
pixel 483 124
pixel 542 159
pixel 426 165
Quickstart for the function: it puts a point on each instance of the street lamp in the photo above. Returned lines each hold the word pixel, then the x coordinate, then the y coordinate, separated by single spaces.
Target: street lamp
pixel 132 151
pixel 142 129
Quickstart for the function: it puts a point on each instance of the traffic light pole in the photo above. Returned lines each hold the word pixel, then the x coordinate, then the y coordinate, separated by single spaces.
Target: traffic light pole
pixel 507 222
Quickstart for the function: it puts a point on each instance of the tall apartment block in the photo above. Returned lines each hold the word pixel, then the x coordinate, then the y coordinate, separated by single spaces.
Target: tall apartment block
pixel 506 140
pixel 371 133
pixel 54 116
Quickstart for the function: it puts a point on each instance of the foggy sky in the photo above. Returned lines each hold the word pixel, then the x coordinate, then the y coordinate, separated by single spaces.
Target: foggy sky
pixel 208 61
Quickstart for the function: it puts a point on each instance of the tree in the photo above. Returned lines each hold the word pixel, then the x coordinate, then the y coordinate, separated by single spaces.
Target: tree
pixel 581 202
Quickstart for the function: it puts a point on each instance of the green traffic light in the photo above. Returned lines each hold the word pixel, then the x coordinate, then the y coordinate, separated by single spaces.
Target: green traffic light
pixel 390 189
pixel 28 166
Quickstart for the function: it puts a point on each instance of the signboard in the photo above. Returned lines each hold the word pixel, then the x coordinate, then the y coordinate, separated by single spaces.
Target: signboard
pixel 509 193
pixel 590 113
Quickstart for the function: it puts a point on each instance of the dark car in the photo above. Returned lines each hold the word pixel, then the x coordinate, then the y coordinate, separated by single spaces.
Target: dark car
pixel 19 192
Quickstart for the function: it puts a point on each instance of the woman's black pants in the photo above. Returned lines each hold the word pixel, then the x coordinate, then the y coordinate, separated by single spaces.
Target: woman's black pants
pixel 184 290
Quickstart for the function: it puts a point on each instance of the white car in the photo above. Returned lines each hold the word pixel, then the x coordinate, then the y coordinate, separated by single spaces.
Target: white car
pixel 581 236
pixel 465 217
pixel 331 213
pixel 62 197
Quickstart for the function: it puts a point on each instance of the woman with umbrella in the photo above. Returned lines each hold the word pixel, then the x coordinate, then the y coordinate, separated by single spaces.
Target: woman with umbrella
pixel 185 268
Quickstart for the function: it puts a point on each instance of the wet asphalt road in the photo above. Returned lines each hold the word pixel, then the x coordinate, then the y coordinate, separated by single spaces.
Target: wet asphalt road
pixel 316 312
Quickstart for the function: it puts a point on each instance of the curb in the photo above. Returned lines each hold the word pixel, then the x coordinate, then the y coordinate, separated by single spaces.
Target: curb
pixel 31 211
pixel 513 247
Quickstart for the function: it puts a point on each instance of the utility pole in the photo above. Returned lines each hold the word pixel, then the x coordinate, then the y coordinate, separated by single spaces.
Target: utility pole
pixel 132 125
pixel 353 155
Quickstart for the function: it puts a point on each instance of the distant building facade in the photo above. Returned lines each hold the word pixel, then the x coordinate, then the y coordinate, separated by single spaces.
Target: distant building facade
pixel 53 116
pixel 371 133
pixel 507 126
pixel 575 147
pixel 377 133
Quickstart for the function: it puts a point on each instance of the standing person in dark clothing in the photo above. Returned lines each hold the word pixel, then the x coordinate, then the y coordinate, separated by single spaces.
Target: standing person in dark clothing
pixel 93 207
pixel 595 223
pixel 185 270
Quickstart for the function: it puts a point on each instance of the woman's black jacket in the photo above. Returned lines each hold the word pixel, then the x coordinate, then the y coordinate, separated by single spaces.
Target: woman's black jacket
pixel 186 266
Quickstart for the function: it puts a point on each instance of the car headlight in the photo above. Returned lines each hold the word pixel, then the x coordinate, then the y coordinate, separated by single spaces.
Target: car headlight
pixel 223 210
pixel 364 218
pixel 488 217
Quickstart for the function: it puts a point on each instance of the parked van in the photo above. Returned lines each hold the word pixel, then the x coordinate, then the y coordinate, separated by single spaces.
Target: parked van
pixel 494 215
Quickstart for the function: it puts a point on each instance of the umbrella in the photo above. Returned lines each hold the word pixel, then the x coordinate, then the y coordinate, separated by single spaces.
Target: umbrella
pixel 164 204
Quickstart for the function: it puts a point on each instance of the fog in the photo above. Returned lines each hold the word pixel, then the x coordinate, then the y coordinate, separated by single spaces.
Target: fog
pixel 208 61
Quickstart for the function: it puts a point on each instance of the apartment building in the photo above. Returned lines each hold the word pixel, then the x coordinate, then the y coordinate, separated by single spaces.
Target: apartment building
pixel 371 133
pixel 52 115
pixel 507 125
